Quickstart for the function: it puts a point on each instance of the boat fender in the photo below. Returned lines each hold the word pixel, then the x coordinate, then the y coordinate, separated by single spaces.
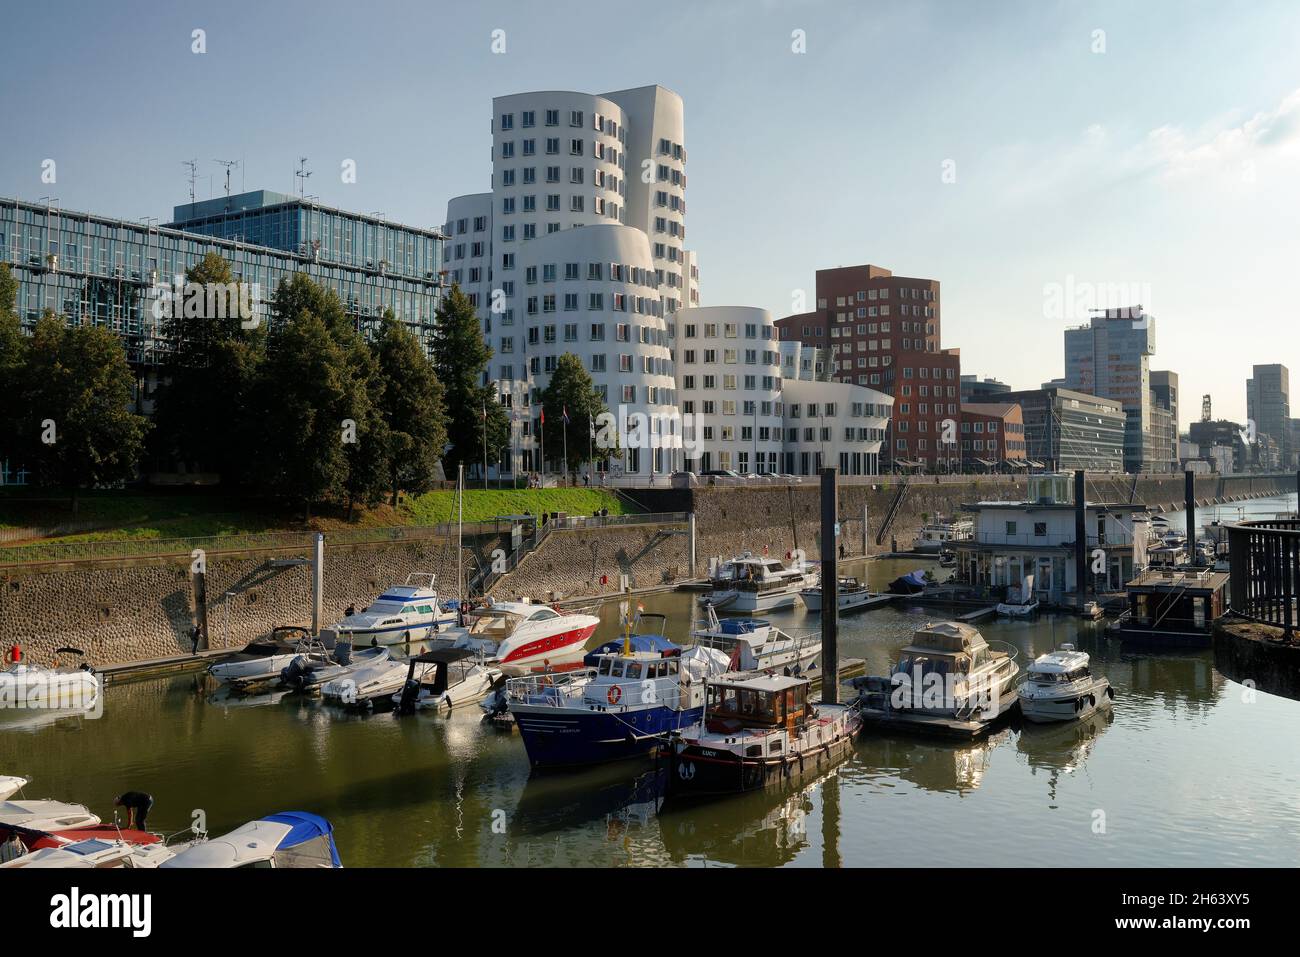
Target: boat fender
pixel 1110 692
pixel 615 692
pixel 1092 701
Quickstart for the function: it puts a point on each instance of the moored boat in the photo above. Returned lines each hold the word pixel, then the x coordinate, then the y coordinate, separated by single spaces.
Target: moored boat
pixel 402 614
pixel 445 678
pixel 850 595
pixel 757 731
pixel 749 584
pixel 755 644
pixel 263 659
pixel 520 637
pixel 287 839
pixel 1059 686
pixel 1020 602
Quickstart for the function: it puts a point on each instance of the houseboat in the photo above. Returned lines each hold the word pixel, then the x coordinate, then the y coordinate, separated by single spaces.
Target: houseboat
pixel 948 680
pixel 750 584
pixel 1173 605
pixel 758 731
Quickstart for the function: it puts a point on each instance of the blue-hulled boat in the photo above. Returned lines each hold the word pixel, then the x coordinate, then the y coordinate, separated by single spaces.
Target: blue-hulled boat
pixel 636 691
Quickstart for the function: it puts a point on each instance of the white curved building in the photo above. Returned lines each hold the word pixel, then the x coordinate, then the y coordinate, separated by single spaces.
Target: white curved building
pixel 561 161
pixel 829 423
pixel 729 386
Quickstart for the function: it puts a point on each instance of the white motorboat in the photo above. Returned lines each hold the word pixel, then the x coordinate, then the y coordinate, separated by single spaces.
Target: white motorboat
pixel 749 584
pixel 45 815
pixel 26 686
pixel 287 839
pixel 264 659
pixel 1059 686
pixel 369 681
pixel 10 784
pixel 755 644
pixel 520 637
pixel 1020 602
pixel 446 678
pixel 311 673
pixel 402 614
pixel 948 675
pixel 851 595
pixel 106 850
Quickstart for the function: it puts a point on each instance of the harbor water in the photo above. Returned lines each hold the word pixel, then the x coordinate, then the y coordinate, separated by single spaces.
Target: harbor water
pixel 1188 768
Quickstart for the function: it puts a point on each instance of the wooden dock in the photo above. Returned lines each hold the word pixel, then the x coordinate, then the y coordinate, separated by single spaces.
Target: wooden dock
pixel 900 720
pixel 979 614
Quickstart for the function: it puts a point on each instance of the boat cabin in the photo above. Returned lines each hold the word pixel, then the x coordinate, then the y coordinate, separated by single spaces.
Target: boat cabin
pixel 766 702
pixel 946 648
pixel 1059 667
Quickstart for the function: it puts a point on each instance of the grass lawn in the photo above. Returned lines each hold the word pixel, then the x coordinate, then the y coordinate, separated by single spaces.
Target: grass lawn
pixel 141 515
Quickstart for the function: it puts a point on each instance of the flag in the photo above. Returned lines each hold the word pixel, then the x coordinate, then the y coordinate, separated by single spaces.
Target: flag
pixel 564 412
pixel 543 416
pixel 484 411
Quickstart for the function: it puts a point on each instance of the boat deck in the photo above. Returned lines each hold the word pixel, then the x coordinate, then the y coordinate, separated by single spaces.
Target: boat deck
pixel 933 724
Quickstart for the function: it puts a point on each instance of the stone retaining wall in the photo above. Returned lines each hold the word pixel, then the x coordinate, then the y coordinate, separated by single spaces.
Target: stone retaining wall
pixel 571 563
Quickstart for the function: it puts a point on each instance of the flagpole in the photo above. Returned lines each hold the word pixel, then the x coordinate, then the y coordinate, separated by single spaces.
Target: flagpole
pixel 564 428
pixel 542 447
pixel 485 485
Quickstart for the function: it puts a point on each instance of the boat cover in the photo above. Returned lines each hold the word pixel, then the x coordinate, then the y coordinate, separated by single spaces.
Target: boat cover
pixel 306 829
pixel 909 584
pixel 741 626
pixel 700 662
pixel 644 643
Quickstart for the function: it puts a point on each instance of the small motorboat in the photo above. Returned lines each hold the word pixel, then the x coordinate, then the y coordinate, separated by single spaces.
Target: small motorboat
pixel 287 839
pixel 25 685
pixel 264 659
pixel 401 615
pixel 97 846
pixel 1020 602
pixel 367 683
pixel 309 672
pixel 757 731
pixel 1059 686
pixel 520 637
pixel 851 595
pixel 446 678
pixel 44 815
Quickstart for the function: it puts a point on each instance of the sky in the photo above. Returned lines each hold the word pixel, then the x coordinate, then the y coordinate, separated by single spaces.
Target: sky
pixel 1034 157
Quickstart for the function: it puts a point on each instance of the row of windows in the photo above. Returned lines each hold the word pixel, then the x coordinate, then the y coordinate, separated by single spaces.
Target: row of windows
pixel 730 357
pixel 730 330
pixel 870 295
pixel 601 179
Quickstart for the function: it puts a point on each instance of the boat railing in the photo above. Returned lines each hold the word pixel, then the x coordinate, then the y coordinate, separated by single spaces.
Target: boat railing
pixel 551 688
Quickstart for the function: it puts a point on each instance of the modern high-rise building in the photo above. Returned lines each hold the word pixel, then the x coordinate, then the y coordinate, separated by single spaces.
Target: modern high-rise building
pixel 1110 358
pixel 975 389
pixel 1268 405
pixel 579 247
pixel 882 331
pixel 1067 430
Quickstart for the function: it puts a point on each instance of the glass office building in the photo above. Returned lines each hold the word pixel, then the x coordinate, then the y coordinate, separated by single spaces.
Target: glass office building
pixel 96 269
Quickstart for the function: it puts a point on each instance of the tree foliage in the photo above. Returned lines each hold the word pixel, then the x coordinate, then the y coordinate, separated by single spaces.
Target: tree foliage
pixel 571 388
pixel 460 359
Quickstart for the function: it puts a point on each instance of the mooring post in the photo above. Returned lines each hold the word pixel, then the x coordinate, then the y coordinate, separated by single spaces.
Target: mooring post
pixel 690 541
pixel 830 592
pixel 1189 494
pixel 317 582
pixel 1080 538
pixel 866 543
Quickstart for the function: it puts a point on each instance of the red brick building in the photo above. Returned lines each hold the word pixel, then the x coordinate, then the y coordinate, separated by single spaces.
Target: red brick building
pixel 882 331
pixel 992 436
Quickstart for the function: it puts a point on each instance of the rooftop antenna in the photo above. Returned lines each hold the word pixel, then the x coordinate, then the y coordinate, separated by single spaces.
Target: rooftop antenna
pixel 229 165
pixel 301 174
pixel 193 166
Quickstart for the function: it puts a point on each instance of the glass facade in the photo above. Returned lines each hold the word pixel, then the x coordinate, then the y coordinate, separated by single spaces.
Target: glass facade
pixel 94 269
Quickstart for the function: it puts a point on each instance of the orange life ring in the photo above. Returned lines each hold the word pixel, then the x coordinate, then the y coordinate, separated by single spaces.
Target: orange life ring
pixel 615 692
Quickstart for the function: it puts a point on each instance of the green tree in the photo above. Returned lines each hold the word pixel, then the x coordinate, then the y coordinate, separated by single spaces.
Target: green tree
pixel 13 347
pixel 460 360
pixel 570 389
pixel 411 408
pixel 201 409
pixel 76 388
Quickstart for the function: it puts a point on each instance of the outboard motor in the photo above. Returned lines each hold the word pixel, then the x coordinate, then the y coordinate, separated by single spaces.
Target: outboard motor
pixel 343 652
pixel 410 692
pixel 295 671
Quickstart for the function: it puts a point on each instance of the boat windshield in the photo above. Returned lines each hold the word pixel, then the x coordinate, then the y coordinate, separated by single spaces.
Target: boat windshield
pixel 926 665
pixel 1057 677
pixel 488 623
pixel 384 608
pixel 728 702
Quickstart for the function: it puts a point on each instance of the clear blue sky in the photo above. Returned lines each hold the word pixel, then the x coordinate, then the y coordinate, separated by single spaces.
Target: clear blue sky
pixel 1170 162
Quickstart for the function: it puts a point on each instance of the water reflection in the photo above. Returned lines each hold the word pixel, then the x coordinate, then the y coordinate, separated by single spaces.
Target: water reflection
pixel 1058 749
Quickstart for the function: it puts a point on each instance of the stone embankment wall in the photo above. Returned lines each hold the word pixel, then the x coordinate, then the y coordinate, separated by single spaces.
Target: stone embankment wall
pixel 140 609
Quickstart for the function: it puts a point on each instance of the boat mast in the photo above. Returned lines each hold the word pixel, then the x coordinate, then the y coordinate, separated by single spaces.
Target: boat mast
pixel 627 617
pixel 460 527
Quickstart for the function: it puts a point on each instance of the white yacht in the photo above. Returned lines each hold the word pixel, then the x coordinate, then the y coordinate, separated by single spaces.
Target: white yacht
pixel 755 644
pixel 401 615
pixel 520 637
pixel 850 595
pixel 749 584
pixel 1059 686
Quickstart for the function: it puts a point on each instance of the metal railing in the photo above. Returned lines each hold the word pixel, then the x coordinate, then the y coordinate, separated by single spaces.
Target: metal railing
pixel 1265 563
